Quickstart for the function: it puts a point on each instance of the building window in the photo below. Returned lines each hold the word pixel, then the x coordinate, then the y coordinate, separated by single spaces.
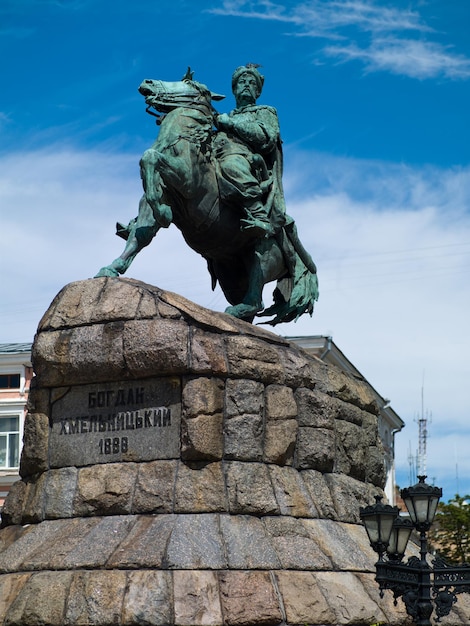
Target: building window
pixel 9 440
pixel 9 381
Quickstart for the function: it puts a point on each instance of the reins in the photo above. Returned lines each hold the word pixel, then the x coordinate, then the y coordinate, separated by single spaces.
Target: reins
pixel 167 99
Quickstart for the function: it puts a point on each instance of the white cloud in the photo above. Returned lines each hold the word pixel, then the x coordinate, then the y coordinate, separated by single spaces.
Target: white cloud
pixel 261 9
pixel 392 245
pixel 378 36
pixel 59 211
pixel 322 17
pixel 366 16
pixel 406 57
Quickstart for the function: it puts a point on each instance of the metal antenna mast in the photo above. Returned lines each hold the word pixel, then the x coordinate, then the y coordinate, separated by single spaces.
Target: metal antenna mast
pixel 423 435
pixel 412 465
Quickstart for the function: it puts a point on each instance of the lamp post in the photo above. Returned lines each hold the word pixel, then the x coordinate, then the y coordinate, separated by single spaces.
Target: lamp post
pixel 421 587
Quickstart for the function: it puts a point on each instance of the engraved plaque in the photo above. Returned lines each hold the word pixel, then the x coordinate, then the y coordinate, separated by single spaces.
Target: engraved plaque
pixel 113 422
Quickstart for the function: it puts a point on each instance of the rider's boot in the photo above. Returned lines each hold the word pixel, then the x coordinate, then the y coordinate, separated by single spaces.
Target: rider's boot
pixel 257 220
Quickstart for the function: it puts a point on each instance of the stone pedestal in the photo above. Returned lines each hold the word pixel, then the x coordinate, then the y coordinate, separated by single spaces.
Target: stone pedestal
pixel 181 467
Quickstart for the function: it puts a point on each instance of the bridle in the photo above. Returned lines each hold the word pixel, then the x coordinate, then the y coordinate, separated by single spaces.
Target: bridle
pixel 165 99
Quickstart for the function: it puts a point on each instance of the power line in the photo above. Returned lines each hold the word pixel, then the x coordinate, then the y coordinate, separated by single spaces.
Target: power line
pixel 406 254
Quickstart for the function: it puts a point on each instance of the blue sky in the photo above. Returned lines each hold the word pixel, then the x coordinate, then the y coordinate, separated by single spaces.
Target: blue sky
pixel 373 101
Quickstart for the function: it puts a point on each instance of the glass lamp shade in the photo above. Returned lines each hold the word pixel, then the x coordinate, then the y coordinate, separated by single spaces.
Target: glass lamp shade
pixel 401 531
pixel 378 519
pixel 421 500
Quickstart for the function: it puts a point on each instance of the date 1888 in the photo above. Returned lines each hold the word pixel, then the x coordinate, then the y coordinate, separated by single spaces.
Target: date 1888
pixel 113 445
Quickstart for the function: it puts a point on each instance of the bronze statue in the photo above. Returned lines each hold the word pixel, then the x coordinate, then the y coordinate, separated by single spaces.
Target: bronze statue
pixel 247 147
pixel 222 187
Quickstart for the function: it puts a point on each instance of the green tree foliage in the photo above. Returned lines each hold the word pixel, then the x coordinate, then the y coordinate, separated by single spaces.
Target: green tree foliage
pixel 450 533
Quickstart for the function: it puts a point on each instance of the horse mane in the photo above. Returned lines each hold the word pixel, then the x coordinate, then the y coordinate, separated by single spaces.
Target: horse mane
pixel 203 89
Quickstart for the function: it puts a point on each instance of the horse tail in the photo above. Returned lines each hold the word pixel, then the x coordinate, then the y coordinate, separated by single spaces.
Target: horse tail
pixel 302 292
pixel 297 293
pixel 291 232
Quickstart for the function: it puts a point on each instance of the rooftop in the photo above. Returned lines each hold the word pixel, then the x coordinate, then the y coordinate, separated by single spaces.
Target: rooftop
pixel 15 348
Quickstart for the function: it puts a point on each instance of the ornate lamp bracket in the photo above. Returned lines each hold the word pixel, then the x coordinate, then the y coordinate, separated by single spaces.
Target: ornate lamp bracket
pixel 448 581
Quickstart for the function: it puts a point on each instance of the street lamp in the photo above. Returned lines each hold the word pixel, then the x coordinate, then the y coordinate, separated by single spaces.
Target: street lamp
pixel 378 520
pixel 417 583
pixel 421 500
pixel 401 531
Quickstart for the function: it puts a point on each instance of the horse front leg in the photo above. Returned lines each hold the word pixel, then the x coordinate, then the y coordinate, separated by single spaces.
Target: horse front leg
pixel 174 166
pixel 138 234
pixel 152 184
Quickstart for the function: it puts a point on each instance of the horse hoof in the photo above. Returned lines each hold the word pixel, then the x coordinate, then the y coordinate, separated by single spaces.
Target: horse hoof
pixel 243 311
pixel 107 272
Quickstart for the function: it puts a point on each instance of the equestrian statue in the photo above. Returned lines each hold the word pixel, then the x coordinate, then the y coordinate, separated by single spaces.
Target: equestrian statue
pixel 218 178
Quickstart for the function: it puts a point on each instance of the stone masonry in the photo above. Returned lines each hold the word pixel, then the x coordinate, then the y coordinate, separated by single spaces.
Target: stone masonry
pixel 182 467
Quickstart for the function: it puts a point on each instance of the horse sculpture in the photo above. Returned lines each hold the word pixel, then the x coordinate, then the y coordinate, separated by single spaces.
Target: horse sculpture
pixel 181 185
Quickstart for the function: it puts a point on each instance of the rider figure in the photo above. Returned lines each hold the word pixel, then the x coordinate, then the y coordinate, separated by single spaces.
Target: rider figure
pixel 247 147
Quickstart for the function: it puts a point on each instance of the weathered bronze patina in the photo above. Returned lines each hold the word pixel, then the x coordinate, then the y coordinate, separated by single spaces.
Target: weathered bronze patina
pixel 218 178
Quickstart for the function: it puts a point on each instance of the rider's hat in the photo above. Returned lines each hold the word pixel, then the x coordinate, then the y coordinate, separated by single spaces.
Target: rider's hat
pixel 249 68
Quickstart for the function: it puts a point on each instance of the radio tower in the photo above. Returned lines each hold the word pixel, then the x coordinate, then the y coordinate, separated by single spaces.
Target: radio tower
pixel 423 435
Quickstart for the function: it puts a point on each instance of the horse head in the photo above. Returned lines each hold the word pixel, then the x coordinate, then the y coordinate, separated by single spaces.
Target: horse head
pixel 165 96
